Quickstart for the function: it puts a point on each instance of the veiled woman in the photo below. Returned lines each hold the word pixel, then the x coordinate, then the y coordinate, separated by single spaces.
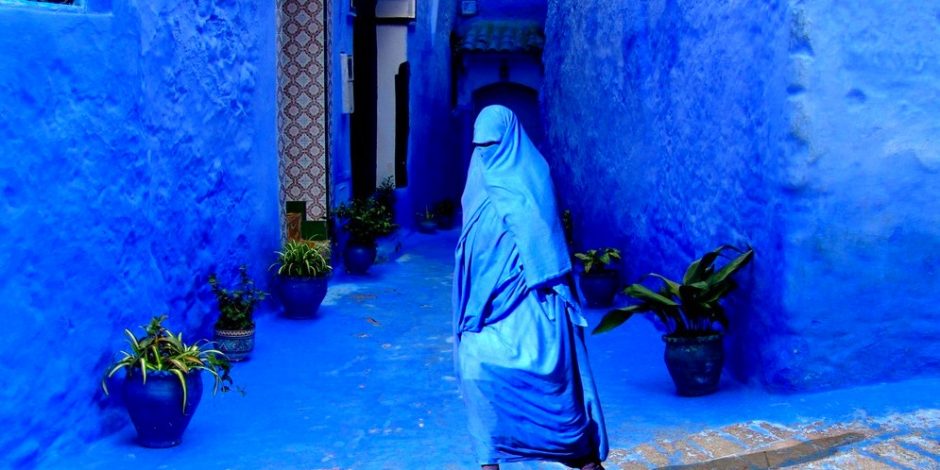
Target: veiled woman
pixel 519 332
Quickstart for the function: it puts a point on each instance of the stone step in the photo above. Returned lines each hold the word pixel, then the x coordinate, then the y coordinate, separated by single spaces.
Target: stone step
pixel 897 441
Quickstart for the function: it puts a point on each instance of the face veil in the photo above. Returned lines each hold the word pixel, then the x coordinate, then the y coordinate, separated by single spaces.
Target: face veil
pixel 516 179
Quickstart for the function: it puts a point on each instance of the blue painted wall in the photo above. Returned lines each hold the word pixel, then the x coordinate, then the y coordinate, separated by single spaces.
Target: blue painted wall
pixel 521 9
pixel 340 158
pixel 138 155
pixel 807 132
pixel 862 189
pixel 433 152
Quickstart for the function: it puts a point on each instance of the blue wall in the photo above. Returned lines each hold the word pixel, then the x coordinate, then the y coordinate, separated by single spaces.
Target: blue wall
pixel 138 155
pixel 863 196
pixel 808 133
pixel 340 157
pixel 521 9
pixel 433 152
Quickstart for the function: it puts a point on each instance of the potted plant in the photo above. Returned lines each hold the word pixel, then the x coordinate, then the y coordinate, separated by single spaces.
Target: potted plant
pixel 303 268
pixel 426 222
pixel 694 318
pixel 385 195
pixel 235 327
pixel 445 212
pixel 599 279
pixel 163 382
pixel 364 220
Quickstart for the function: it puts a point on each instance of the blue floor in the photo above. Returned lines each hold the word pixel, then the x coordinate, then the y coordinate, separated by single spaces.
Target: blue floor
pixel 370 385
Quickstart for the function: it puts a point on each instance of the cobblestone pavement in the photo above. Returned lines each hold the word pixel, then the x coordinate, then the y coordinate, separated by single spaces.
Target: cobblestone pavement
pixel 910 440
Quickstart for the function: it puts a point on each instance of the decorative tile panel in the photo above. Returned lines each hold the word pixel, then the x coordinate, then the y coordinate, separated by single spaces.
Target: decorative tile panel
pixel 302 104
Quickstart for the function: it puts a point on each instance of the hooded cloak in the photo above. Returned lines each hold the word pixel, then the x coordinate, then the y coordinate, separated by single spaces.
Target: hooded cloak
pixel 519 332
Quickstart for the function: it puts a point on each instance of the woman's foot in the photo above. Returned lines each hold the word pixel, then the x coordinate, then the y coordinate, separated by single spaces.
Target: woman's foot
pixel 592 466
pixel 492 466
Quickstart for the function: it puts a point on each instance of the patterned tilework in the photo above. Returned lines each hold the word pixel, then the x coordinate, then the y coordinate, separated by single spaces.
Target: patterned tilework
pixel 302 104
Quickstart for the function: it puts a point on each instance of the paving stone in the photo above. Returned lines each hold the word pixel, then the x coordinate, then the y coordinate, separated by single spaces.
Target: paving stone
pixel 683 451
pixel 928 445
pixel 780 431
pixel 751 438
pixel 889 450
pixel 651 455
pixel 851 460
pixel 716 445
pixel 920 419
pixel 814 433
pixel 778 445
pixel 628 466
pixel 621 459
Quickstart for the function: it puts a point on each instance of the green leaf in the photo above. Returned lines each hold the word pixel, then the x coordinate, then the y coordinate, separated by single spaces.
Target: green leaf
pixel 670 284
pixel 697 270
pixel 732 267
pixel 718 291
pixel 143 368
pixel 641 292
pixel 179 365
pixel 689 295
pixel 179 374
pixel 617 317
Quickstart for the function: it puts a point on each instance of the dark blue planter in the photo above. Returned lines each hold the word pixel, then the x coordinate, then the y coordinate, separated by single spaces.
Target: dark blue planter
pixel 236 344
pixel 302 296
pixel 600 287
pixel 156 408
pixel 359 257
pixel 427 226
pixel 695 363
pixel 444 222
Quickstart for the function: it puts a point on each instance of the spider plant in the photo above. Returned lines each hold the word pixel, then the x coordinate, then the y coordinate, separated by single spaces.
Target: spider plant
pixel 304 259
pixel 161 350
pixel 689 308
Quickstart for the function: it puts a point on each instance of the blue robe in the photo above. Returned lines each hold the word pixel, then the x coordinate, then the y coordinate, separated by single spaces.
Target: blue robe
pixel 519 333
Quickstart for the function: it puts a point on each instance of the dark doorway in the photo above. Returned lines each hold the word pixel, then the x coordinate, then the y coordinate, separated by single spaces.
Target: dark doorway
pixel 521 99
pixel 401 124
pixel 363 120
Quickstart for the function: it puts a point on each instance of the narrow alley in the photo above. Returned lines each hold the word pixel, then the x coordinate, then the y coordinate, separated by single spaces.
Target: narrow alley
pixel 369 384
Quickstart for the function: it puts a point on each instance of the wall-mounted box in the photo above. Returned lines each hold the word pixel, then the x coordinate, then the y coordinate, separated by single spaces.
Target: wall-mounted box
pixel 402 9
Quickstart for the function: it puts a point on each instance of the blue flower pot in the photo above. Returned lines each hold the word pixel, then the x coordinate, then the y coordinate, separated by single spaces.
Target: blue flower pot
pixel 359 256
pixel 302 296
pixel 600 287
pixel 156 407
pixel 235 344
pixel 427 226
pixel 695 363
pixel 444 222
